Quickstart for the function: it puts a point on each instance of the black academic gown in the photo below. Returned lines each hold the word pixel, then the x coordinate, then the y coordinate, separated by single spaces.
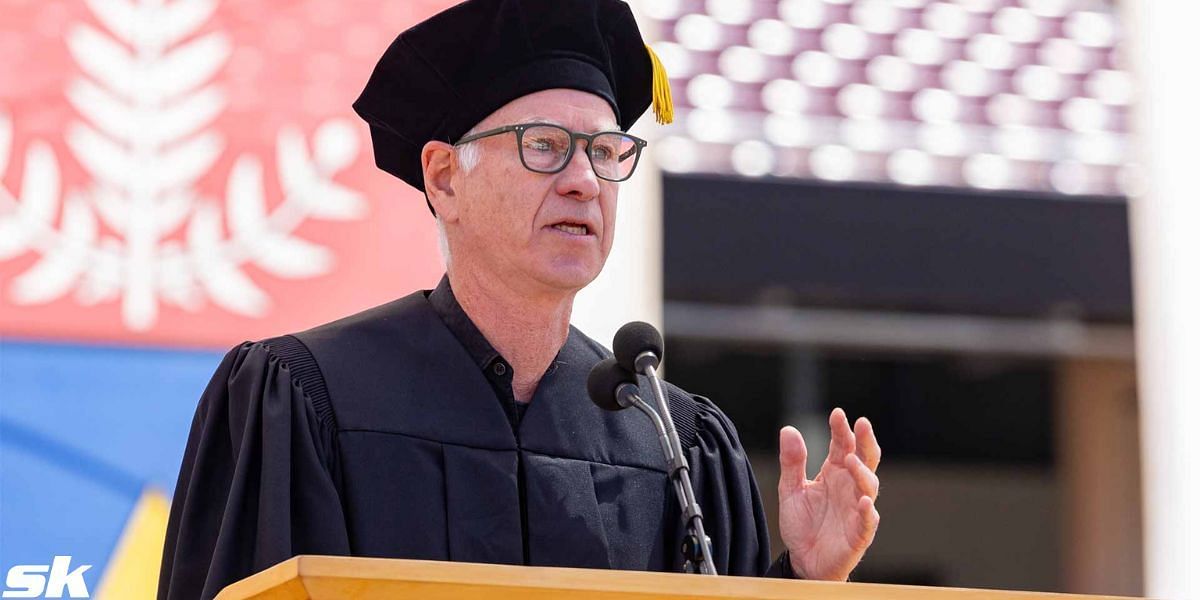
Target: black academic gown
pixel 377 435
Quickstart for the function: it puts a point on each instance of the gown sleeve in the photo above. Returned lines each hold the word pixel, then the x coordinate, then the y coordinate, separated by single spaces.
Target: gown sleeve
pixel 257 483
pixel 726 491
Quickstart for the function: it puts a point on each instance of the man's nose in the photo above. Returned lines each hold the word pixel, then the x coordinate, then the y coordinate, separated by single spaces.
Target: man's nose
pixel 578 180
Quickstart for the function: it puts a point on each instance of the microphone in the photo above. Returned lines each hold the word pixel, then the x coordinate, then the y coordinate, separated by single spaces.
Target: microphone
pixel 611 387
pixel 638 348
pixel 638 345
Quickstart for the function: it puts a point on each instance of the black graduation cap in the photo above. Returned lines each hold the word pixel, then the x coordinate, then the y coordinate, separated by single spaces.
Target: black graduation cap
pixel 444 75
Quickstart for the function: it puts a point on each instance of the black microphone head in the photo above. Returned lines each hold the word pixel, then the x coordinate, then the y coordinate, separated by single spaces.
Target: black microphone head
pixel 603 381
pixel 633 339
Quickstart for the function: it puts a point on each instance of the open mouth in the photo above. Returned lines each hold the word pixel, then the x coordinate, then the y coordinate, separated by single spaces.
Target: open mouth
pixel 573 228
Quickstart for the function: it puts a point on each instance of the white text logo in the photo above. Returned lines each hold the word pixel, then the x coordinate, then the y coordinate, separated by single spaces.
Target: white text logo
pixel 28 581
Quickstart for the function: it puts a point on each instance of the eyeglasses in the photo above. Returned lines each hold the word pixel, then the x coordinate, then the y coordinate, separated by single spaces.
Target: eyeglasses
pixel 548 149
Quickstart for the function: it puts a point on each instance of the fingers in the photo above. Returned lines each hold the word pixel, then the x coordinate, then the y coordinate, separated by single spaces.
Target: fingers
pixel 869 517
pixel 793 459
pixel 867 447
pixel 841 438
pixel 866 479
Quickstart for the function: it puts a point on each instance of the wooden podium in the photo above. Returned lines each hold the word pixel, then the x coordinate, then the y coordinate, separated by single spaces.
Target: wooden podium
pixel 341 578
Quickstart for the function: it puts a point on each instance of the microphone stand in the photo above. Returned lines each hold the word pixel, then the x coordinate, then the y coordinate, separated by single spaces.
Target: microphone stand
pixel 697 547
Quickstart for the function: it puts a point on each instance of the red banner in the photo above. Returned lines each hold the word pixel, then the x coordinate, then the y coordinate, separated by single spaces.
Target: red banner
pixel 189 172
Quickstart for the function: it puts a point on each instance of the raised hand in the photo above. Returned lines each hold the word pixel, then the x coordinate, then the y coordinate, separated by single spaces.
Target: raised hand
pixel 827 523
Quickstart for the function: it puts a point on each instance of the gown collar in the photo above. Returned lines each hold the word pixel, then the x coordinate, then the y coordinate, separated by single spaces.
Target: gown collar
pixel 452 314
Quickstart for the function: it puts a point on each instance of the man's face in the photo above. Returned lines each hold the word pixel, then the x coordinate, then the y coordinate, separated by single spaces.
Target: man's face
pixel 524 226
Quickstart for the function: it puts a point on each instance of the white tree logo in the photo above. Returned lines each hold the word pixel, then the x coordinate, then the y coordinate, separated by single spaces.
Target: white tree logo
pixel 147 99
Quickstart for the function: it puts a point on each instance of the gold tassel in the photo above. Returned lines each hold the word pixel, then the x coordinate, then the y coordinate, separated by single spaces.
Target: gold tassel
pixel 664 110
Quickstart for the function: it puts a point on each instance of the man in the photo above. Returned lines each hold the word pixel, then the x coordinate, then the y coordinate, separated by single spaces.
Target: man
pixel 453 424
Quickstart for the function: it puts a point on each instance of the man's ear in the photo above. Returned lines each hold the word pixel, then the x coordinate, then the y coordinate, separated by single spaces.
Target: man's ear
pixel 439 164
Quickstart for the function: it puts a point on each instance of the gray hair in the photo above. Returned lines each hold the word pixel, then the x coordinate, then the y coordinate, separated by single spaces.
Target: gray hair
pixel 468 154
pixel 443 243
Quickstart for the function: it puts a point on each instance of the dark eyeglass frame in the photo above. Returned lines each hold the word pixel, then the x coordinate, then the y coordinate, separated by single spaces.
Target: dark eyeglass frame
pixel 638 145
